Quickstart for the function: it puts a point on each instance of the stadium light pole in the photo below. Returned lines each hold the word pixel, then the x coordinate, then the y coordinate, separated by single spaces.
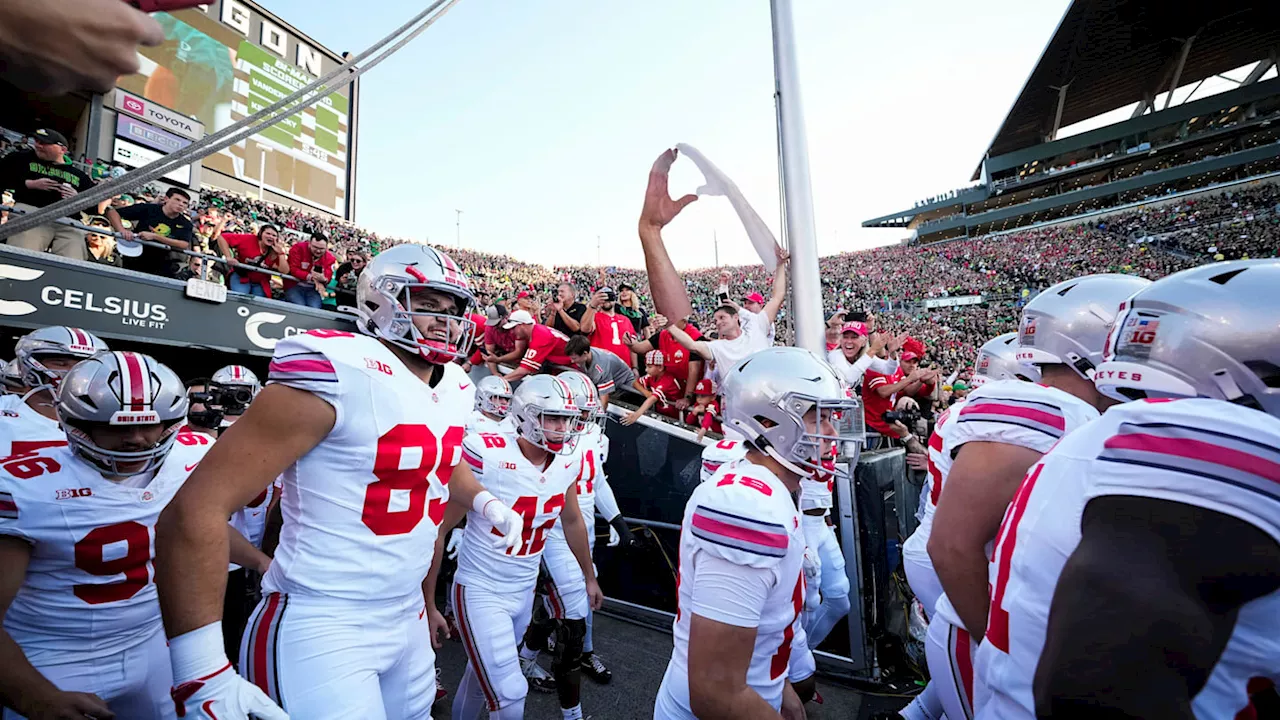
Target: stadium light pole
pixel 797 195
pixel 458 237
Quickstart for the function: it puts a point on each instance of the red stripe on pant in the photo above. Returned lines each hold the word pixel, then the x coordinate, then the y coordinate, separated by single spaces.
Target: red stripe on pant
pixel 469 642
pixel 964 664
pixel 258 661
pixel 553 597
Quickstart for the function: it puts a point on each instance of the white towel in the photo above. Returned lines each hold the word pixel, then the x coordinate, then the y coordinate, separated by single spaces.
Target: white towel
pixel 717 183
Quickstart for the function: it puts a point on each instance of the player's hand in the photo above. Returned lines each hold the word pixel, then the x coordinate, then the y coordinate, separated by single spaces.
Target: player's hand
pixel 614 537
pixel 659 209
pixel 453 544
pixel 507 522
pixel 226 696
pixel 70 706
pixel 439 627
pixel 594 596
pixel 792 708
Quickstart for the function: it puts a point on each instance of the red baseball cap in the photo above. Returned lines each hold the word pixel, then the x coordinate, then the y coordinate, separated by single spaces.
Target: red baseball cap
pixel 908 356
pixel 522 294
pixel 754 297
pixel 704 387
pixel 859 328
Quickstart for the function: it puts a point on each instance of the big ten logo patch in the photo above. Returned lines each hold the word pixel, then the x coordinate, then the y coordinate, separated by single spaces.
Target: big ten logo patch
pixel 68 493
pixel 378 365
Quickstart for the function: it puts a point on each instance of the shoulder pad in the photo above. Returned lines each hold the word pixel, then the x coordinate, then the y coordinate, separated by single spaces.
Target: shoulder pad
pixel 310 361
pixel 1201 452
pixel 1017 413
pixel 475 446
pixel 739 522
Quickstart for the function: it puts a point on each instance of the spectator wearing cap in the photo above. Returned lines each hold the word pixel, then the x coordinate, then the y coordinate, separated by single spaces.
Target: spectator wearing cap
pixel 629 305
pixel 501 347
pixel 755 311
pixel 312 263
pixel 609 329
pixel 102 246
pixel 565 312
pixel 925 379
pixel 348 274
pixel 610 374
pixel 526 302
pixel 42 176
pixel 546 345
pixel 165 223
pixel 682 364
pixel 659 388
pixel 265 248
pixel 704 413
pixel 856 354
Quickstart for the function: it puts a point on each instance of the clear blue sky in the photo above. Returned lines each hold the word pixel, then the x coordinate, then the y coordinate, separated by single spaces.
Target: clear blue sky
pixel 539 120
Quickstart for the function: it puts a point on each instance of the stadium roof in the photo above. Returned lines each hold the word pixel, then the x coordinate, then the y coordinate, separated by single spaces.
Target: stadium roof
pixel 1109 54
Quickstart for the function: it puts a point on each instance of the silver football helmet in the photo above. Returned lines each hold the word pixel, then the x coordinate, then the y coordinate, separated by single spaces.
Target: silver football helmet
pixel 12 376
pixel 55 340
pixel 540 398
pixel 998 360
pixel 1205 332
pixel 121 389
pixel 237 376
pixel 493 396
pixel 767 396
pixel 1067 324
pixel 385 308
pixel 585 395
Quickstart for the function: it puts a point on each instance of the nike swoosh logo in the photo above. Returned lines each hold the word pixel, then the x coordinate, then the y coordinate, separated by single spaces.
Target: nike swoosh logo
pixel 191 467
pixel 463 386
pixel 207 707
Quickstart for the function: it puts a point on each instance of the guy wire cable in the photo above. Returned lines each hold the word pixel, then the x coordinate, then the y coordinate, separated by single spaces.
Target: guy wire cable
pixel 234 133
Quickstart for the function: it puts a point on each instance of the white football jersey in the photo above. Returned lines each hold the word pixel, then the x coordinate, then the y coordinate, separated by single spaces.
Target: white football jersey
pixel 723 452
pixel 1013 412
pixel 592 451
pixel 746 516
pixel 482 424
pixel 361 510
pixel 251 520
pixel 939 466
pixel 534 493
pixel 1200 452
pixel 23 430
pixel 90 587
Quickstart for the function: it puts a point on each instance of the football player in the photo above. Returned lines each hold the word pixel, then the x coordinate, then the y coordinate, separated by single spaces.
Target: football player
pixel 741 586
pixel 997 360
pixel 367 430
pixel 491 415
pixel 82 633
pixel 536 474
pixel 11 376
pixel 565 587
pixel 1004 428
pixel 1159 524
pixel 29 421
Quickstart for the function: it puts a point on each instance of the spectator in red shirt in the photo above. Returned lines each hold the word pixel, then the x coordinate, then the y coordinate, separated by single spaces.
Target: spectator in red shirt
pixel 704 414
pixel 879 396
pixel 265 249
pixel 609 329
pixel 500 345
pixel 684 366
pixel 660 390
pixel 546 345
pixel 312 263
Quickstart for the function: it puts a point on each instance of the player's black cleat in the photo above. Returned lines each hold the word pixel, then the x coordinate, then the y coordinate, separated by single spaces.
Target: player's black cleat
pixel 594 668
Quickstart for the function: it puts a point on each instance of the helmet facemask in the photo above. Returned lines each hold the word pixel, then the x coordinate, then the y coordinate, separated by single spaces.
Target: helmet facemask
pixel 833 423
pixel 533 428
pixel 495 405
pixel 114 462
pixel 454 330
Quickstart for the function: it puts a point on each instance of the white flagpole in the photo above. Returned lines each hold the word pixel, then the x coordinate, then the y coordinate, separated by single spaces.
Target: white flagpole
pixel 797 195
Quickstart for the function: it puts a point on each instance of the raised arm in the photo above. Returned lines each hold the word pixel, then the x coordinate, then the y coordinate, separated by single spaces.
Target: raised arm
pixel 701 347
pixel 669 294
pixel 779 295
